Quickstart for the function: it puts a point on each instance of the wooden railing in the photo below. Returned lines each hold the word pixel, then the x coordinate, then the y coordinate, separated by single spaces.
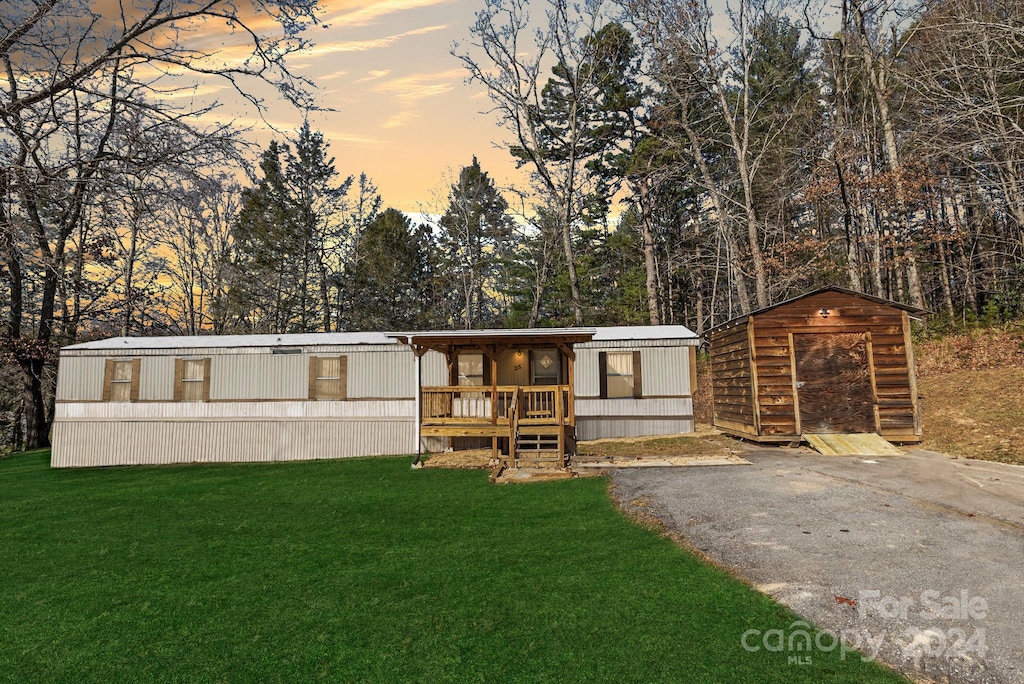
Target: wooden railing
pixel 544 404
pixel 466 405
pixel 536 405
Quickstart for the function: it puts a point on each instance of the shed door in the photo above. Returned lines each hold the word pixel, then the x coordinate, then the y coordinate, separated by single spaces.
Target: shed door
pixel 833 380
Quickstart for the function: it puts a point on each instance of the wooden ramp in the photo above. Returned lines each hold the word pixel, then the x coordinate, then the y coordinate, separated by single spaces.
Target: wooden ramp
pixel 865 444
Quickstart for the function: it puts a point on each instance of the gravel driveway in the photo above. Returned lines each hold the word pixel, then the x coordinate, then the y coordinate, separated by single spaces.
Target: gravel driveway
pixel 918 560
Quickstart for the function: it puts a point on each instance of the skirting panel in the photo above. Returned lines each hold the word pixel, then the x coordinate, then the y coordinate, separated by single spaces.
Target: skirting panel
pixel 103 443
pixel 606 427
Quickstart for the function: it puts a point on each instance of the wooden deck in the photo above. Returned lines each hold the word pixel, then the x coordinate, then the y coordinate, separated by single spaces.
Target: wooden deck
pixel 538 421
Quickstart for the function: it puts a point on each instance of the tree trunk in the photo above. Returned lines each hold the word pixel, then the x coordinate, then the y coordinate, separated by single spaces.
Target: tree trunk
pixel 650 263
pixel 129 274
pixel 877 79
pixel 852 244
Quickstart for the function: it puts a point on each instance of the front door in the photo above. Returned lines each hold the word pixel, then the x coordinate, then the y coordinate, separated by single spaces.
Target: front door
pixel 833 380
pixel 544 367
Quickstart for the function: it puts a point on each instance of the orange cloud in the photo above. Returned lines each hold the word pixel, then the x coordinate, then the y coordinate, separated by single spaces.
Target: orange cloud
pixel 368 13
pixel 369 43
pixel 419 86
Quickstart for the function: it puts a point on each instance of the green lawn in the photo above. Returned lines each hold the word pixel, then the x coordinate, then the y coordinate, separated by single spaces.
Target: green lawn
pixel 359 570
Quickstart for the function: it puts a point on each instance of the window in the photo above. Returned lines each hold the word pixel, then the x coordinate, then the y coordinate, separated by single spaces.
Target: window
pixel 471 370
pixel 121 380
pixel 620 375
pixel 192 379
pixel 328 378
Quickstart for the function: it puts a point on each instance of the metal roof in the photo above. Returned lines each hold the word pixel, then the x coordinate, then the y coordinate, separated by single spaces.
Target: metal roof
pixel 640 332
pixel 643 332
pixel 214 341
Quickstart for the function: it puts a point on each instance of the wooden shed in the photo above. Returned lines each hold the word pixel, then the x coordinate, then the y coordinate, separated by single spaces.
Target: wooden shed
pixel 830 361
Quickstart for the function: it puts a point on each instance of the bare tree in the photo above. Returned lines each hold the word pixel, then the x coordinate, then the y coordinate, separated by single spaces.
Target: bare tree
pixel 551 120
pixel 71 79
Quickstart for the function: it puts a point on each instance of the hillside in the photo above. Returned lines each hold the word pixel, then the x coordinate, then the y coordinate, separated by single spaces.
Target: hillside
pixel 972 395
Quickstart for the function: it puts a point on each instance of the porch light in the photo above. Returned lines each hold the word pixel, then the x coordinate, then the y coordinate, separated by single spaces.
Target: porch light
pixel 824 312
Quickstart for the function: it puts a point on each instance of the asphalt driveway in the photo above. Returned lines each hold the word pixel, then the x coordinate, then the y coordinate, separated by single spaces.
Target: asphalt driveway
pixel 917 560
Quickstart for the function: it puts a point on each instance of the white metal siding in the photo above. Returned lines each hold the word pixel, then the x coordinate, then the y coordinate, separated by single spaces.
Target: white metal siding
pixel 390 374
pixel 639 408
pixel 666 371
pixel 80 379
pixel 97 443
pixel 258 376
pixel 599 428
pixel 434 369
pixel 188 411
pixel 587 373
pixel 156 378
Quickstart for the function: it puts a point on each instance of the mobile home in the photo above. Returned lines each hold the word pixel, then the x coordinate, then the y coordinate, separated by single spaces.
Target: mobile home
pixel 525 393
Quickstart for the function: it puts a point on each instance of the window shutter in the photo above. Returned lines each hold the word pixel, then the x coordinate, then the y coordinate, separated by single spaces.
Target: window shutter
pixel 206 379
pixel 108 376
pixel 602 372
pixel 314 366
pixel 179 372
pixel 136 372
pixel 343 373
pixel 638 376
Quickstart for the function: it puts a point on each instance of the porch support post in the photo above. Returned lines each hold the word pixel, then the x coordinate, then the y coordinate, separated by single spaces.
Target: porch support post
pixel 419 403
pixel 572 390
pixel 494 399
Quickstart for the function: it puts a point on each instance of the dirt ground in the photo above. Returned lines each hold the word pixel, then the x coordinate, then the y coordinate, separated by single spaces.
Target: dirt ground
pixel 471 459
pixel 706 441
pixel 972 395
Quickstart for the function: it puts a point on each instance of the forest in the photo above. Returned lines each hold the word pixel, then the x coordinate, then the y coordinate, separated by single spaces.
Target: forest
pixel 685 162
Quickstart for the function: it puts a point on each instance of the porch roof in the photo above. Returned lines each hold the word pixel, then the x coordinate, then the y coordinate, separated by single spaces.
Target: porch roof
pixel 448 340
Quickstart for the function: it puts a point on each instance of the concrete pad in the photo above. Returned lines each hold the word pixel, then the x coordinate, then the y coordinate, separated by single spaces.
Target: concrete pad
pixel 918 559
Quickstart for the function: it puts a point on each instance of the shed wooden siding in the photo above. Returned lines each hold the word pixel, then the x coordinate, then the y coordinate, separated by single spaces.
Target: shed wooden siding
pixel 772 411
pixel 732 389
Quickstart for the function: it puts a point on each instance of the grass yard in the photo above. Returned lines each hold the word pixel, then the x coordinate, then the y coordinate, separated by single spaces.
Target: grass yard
pixel 360 570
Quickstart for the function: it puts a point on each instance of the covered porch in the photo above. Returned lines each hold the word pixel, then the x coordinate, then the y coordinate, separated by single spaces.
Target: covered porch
pixel 513 388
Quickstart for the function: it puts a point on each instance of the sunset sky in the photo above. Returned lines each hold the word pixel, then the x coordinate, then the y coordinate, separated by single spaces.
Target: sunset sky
pixel 404 114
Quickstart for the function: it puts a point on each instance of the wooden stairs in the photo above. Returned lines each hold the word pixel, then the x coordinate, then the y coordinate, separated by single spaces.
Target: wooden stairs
pixel 536 442
pixel 540 447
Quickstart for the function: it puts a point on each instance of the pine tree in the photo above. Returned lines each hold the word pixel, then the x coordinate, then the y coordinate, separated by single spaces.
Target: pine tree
pixel 476 232
pixel 387 280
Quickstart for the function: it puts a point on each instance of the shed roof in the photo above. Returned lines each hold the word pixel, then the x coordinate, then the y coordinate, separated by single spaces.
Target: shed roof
pixel 842 290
